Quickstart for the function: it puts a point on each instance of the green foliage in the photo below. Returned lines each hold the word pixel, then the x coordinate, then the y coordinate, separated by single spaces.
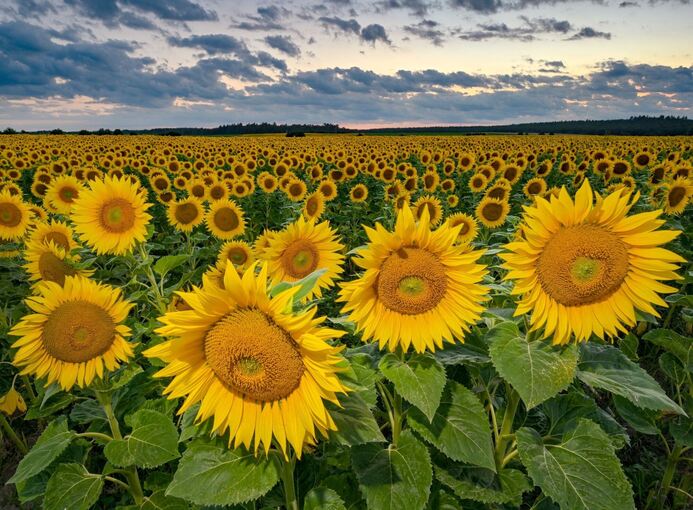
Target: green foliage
pixel 49 446
pixel 72 486
pixel 152 442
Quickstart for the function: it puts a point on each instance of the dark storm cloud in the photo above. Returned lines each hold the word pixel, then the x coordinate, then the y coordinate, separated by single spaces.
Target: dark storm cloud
pixel 427 29
pixel 589 33
pixel 284 44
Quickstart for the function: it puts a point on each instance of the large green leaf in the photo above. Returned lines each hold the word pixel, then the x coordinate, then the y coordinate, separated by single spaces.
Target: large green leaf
pixel 323 498
pixel 394 476
pixel 606 367
pixel 169 262
pixel 52 443
pixel 467 483
pixel 460 427
pixel 152 442
pixel 419 378
pixel 211 474
pixel 355 421
pixel 73 487
pixel 582 472
pixel 678 345
pixel 159 501
pixel 537 370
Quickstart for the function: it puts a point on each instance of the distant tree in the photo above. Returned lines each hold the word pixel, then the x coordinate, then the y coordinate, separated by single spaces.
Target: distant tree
pixel 57 132
pixel 9 131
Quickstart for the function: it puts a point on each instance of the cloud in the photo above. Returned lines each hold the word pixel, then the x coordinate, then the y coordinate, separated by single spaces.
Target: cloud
pixel 267 18
pixel 284 44
pixel 494 6
pixel 629 4
pixel 589 33
pixel 523 33
pixel 415 7
pixel 427 29
pixel 213 44
pixel 373 33
pixel 111 13
pixel 340 24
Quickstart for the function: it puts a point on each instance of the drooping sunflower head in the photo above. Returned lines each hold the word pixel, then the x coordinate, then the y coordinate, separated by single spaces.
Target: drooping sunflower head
pixel 75 332
pixel 49 262
pixel 185 214
pixel 225 219
pixel 302 248
pixel 419 289
pixel 111 216
pixel 584 269
pixel 261 372
pixel 15 217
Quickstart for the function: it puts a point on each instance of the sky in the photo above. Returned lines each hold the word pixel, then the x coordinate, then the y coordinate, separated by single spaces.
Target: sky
pixel 87 64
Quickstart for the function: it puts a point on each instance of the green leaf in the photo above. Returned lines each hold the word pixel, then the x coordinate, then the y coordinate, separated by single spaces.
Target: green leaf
pixel 580 473
pixel 211 474
pixel 474 350
pixel 152 442
pixel 323 498
pixel 564 411
pixel 477 485
pixel 52 443
pixel 681 428
pixel 419 379
pixel 673 369
pixel 306 285
pixel 642 420
pixel 355 422
pixel 676 344
pixel 366 374
pixel 460 427
pixel 395 476
pixel 605 367
pixel 629 346
pixel 73 487
pixel 87 411
pixel 160 501
pixel 537 370
pixel 169 262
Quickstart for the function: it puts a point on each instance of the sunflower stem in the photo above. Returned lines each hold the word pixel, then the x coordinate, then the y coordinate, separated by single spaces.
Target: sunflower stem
pixel 669 472
pixel 393 405
pixel 130 473
pixel 507 425
pixel 9 432
pixel 289 484
pixel 30 389
pixel 158 294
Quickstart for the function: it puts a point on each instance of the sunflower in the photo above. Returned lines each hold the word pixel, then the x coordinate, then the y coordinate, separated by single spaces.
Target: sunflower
pixel 267 182
pixel 261 372
pixel 263 243
pixel 328 189
pixel 62 193
pixel 296 190
pixel 303 247
pixel 49 262
pixel 583 269
pixel 218 191
pixel 225 219
pixel 453 200
pixel 534 187
pixel 239 253
pixel 492 212
pixel 419 288
pixel 358 193
pixel 15 217
pixel 11 402
pixel 74 332
pixel 478 182
pixel 314 206
pixel 469 226
pixel 56 231
pixel 430 204
pixel 678 194
pixel 185 214
pixel 111 216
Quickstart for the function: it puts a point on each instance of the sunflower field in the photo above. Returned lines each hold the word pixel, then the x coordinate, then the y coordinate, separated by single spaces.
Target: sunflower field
pixel 346 322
